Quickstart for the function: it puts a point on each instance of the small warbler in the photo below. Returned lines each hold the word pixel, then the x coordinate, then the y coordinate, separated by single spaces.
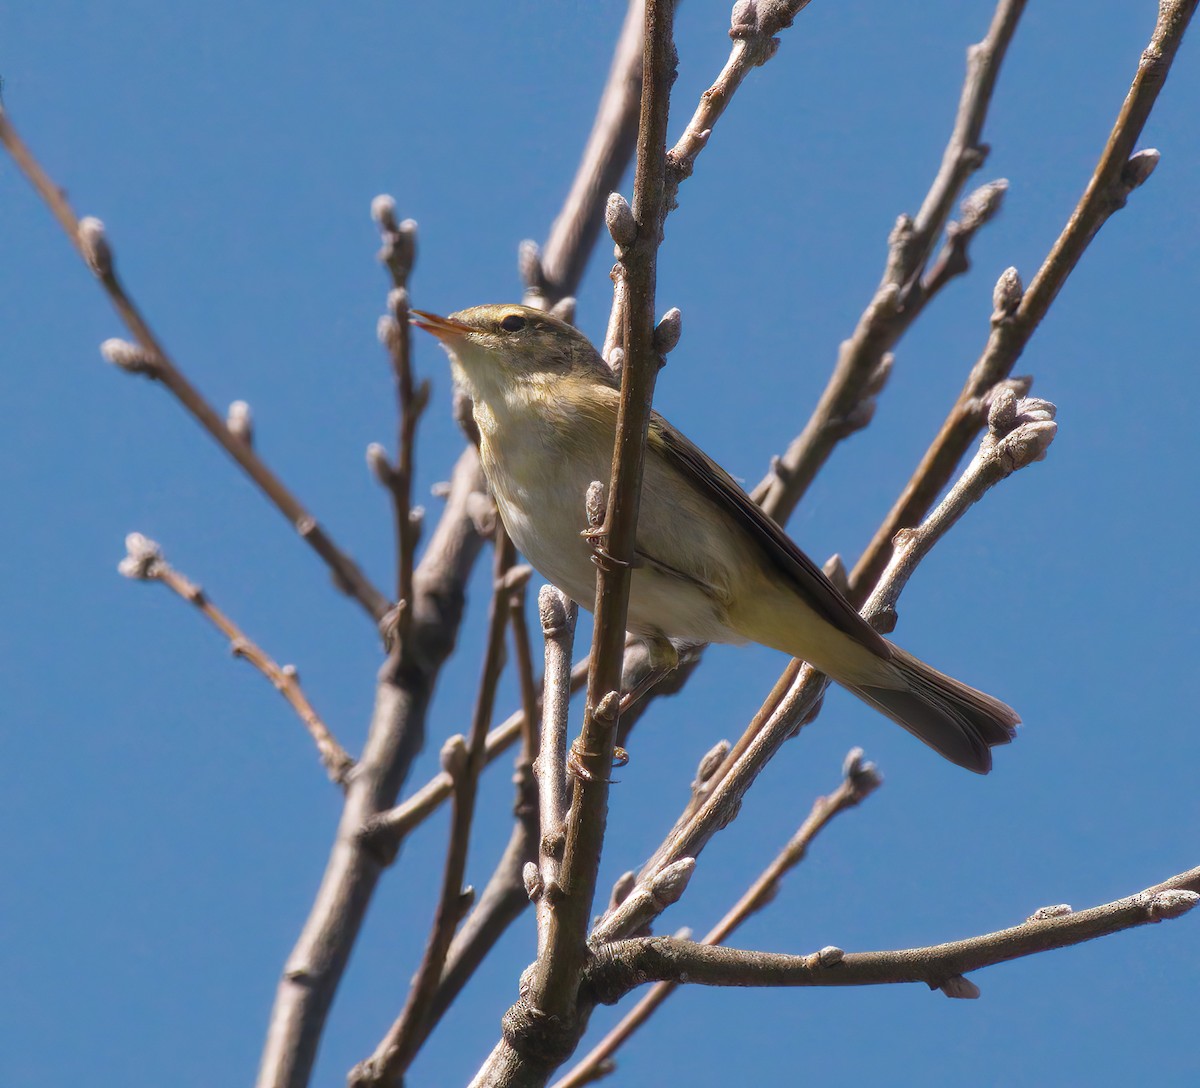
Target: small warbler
pixel 711 565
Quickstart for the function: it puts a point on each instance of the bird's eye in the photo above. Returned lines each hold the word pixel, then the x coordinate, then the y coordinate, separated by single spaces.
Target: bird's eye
pixel 513 323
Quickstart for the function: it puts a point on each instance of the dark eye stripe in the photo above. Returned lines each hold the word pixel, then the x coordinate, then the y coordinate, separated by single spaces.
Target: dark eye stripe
pixel 513 323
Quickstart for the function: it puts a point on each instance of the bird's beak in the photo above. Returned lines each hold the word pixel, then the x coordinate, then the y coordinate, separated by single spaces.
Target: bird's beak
pixel 446 329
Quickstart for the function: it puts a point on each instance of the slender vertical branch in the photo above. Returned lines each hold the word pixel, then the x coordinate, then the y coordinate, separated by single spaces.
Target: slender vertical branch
pixel 397 254
pixel 463 760
pixel 557 974
pixel 558 614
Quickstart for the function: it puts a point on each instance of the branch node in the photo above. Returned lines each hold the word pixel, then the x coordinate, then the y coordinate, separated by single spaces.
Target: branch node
pixel 239 420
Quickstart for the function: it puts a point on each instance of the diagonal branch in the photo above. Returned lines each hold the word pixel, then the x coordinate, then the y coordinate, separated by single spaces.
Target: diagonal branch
pixel 151 358
pixel 145 562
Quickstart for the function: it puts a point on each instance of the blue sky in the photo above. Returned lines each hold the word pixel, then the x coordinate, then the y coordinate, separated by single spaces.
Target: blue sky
pixel 163 821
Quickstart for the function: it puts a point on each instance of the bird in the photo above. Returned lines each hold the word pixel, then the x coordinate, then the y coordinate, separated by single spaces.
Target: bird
pixel 710 565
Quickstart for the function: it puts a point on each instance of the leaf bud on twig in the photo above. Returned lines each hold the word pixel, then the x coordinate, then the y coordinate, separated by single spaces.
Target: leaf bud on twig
pixel 618 217
pixel 529 265
pixel 240 422
pixel 93 243
pixel 668 331
pixel 1008 294
pixel 132 358
pixel 1138 169
pixel 383 211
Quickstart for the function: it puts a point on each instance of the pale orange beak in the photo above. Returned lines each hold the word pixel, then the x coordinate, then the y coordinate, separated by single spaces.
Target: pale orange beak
pixel 446 329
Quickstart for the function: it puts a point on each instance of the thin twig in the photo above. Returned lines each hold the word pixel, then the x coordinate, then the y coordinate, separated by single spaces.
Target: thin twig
pixel 907 286
pixel 463 760
pixel 1021 432
pixel 621 966
pixel 558 615
pixel 145 562
pixel 859 781
pixel 753 32
pixel 1118 172
pixel 397 254
pixel 151 358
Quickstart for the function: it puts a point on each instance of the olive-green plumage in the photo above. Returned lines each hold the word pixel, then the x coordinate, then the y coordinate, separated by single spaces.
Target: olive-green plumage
pixel 712 566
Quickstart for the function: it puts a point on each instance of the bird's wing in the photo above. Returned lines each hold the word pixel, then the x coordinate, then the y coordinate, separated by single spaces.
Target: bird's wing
pixel 795 567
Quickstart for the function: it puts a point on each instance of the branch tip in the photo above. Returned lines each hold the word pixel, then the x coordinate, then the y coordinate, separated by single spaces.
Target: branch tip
pixel 142 559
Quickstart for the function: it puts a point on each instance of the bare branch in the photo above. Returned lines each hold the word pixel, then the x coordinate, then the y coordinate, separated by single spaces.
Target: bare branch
pixel 90 239
pixel 558 615
pixel 397 254
pixel 620 967
pixel 859 781
pixel 145 562
pixel 463 761
pixel 1117 174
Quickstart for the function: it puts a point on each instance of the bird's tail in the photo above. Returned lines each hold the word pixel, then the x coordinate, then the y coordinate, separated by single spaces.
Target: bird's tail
pixel 955 720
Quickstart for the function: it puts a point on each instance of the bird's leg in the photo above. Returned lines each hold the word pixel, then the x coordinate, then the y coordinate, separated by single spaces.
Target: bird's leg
pixel 664 659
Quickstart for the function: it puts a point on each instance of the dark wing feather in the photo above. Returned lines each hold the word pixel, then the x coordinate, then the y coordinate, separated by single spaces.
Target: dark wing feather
pixel 796 567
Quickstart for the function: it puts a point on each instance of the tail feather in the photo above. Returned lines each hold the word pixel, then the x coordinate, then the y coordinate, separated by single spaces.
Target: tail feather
pixel 955 720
